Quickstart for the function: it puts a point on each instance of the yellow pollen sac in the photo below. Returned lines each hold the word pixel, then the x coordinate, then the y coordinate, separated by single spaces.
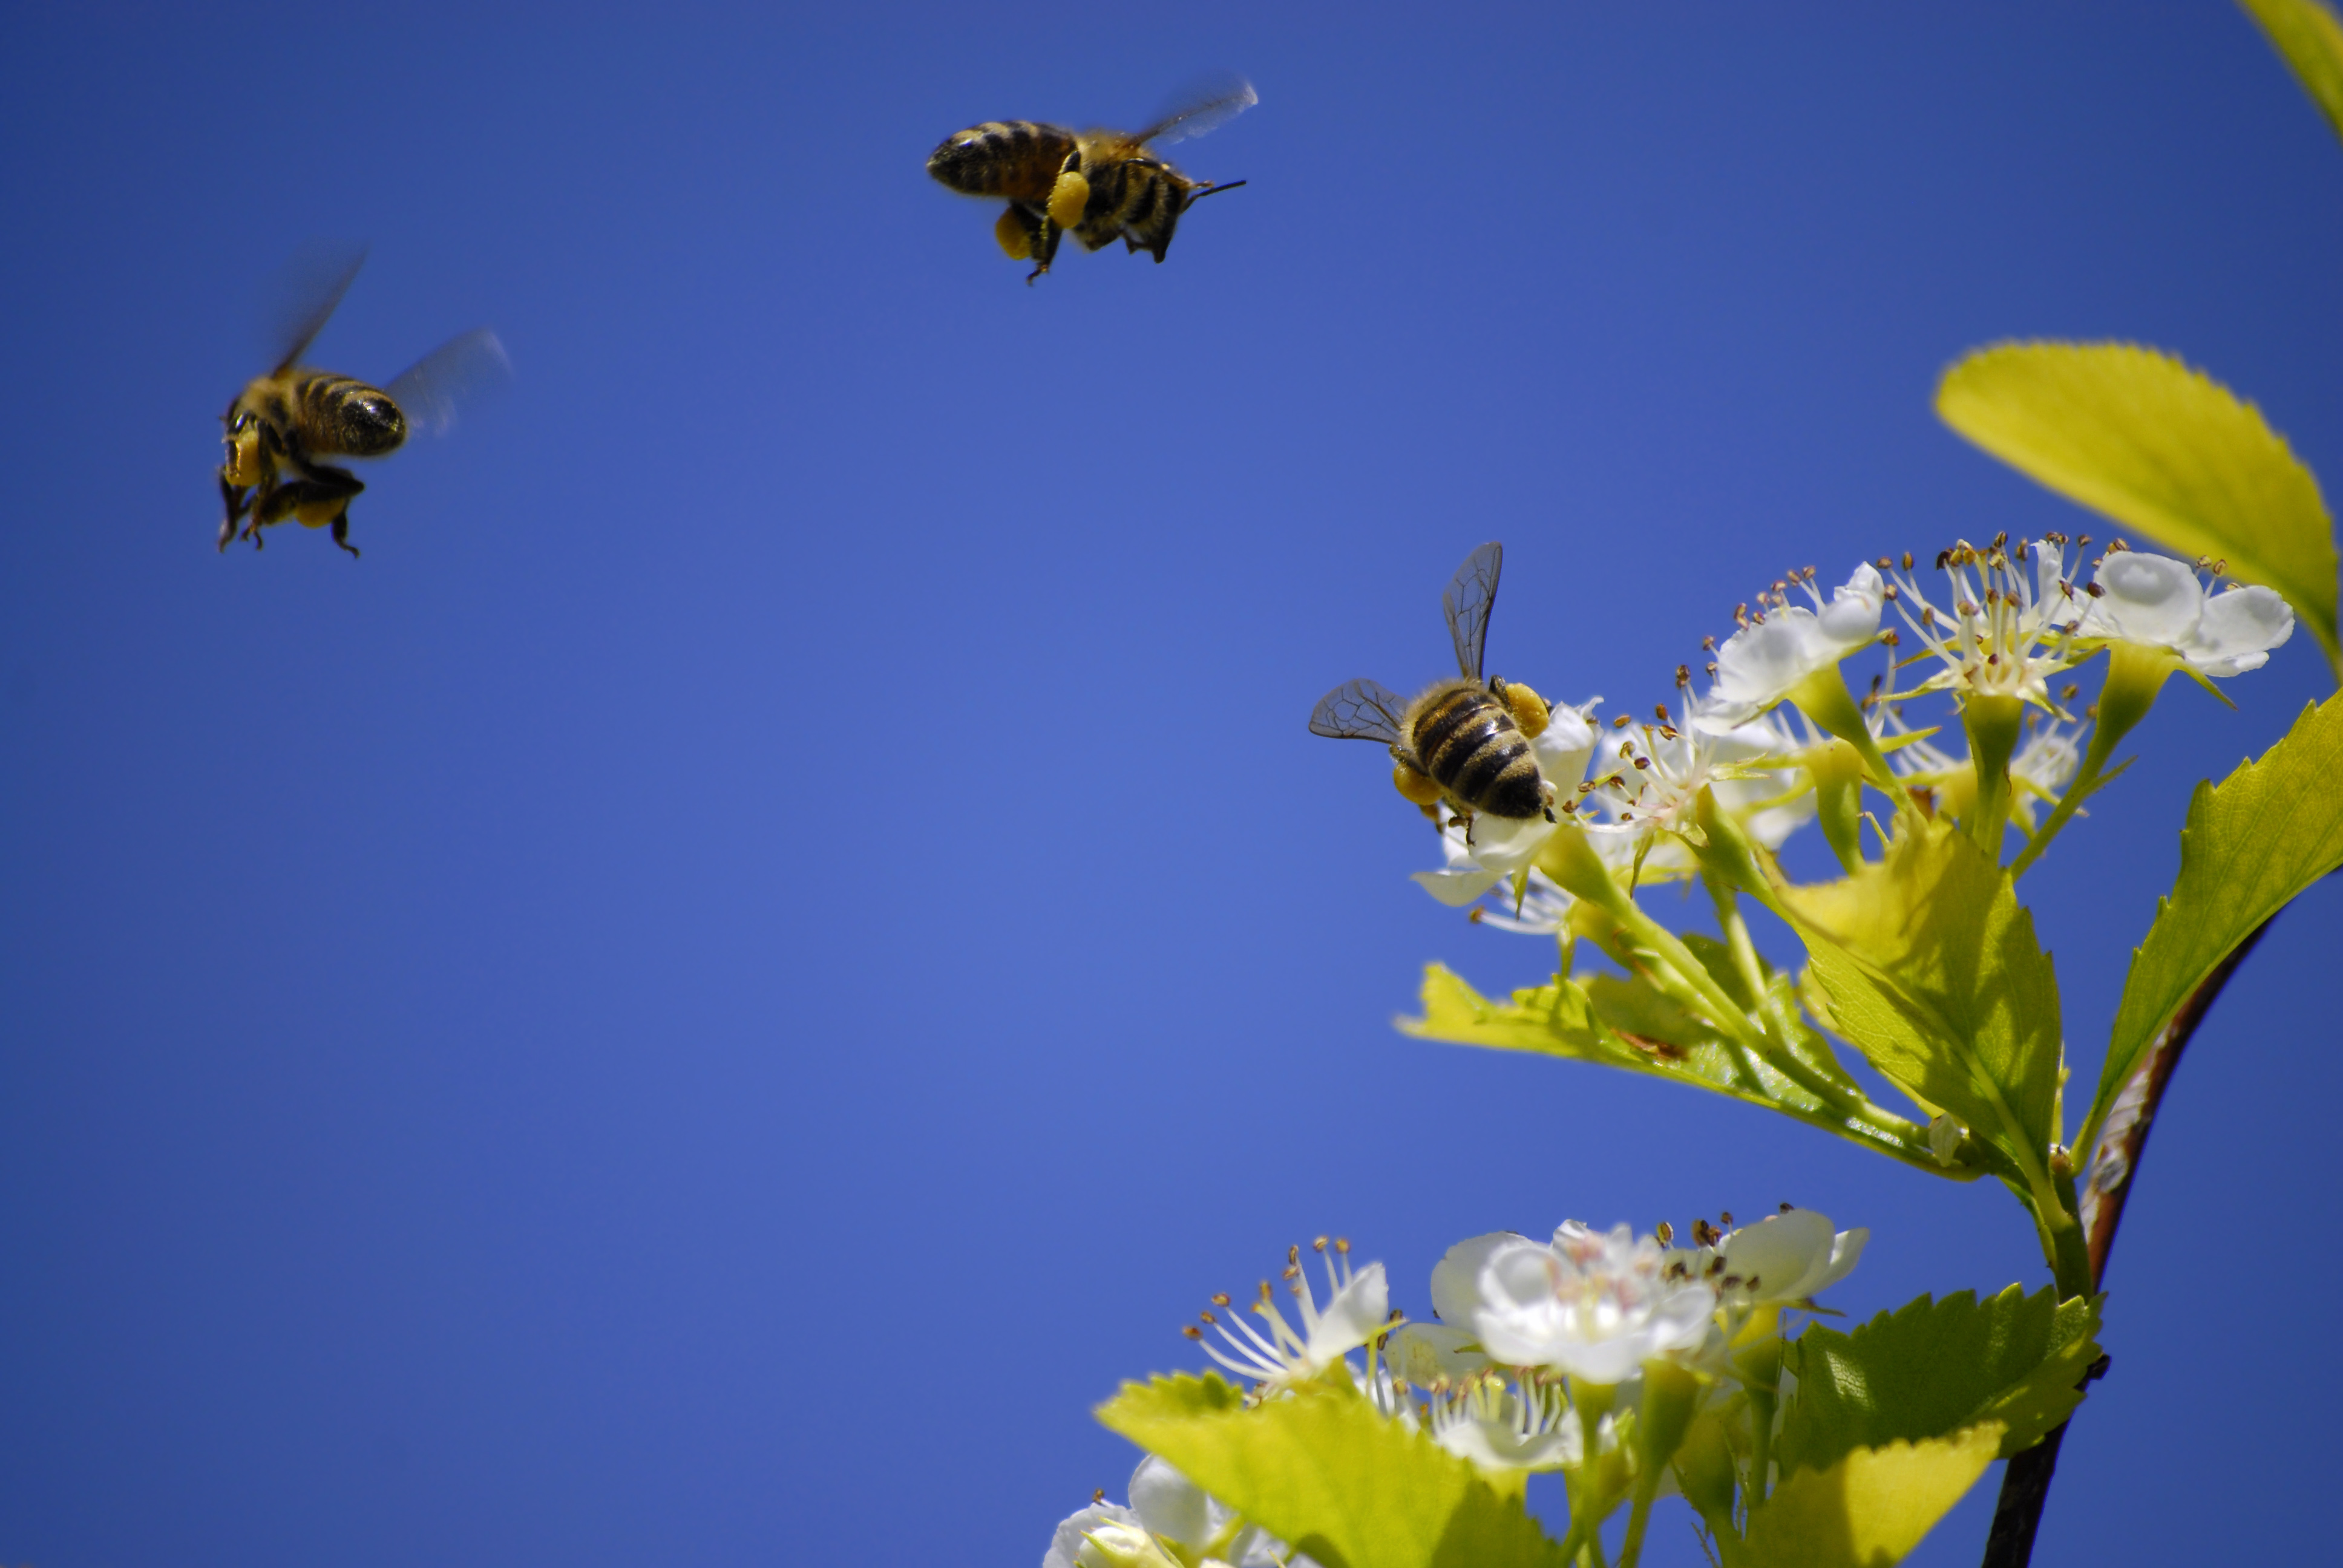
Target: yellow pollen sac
pixel 1068 197
pixel 1010 231
pixel 1530 709
pixel 1420 788
pixel 243 460
pixel 317 514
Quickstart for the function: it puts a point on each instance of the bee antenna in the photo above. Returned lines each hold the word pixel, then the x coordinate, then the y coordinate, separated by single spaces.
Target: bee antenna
pixel 1211 190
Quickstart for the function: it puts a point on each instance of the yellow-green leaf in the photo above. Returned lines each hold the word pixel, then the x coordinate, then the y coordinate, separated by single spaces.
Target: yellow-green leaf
pixel 2163 449
pixel 1617 1022
pixel 1870 1510
pixel 1324 1472
pixel 2311 41
pixel 1933 1368
pixel 1927 964
pixel 2252 844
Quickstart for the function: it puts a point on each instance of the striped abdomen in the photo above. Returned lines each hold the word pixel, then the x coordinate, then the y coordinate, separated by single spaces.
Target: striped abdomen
pixel 1467 740
pixel 1138 199
pixel 338 416
pixel 1017 160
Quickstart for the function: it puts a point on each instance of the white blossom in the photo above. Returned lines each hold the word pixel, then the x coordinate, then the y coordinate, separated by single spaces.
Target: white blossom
pixel 1593 1304
pixel 1103 1535
pixel 1357 1309
pixel 1650 791
pixel 1433 1355
pixel 2157 602
pixel 1761 664
pixel 1501 1426
pixel 2006 631
pixel 1792 1256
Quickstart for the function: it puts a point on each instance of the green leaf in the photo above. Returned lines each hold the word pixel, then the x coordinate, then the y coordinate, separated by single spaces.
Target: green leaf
pixel 1927 964
pixel 2135 434
pixel 2252 844
pixel 1934 1368
pixel 1324 1472
pixel 1870 1509
pixel 2311 40
pixel 1617 1022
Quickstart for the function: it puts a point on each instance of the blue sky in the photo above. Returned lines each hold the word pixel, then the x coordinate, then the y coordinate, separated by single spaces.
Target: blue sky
pixel 782 928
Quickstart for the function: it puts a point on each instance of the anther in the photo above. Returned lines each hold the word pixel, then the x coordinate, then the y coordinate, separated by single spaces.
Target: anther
pixel 1907 560
pixel 1665 1232
pixel 1621 722
pixel 1724 1218
pixel 1643 762
pixel 1787 1207
pixel 1684 678
pixel 1220 1298
pixel 1659 711
pixel 1097 1496
pixel 2095 591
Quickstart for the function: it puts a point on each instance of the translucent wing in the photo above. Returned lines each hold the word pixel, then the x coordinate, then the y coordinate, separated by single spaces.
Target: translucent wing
pixel 311 285
pixel 1467 603
pixel 457 371
pixel 1206 109
pixel 1359 711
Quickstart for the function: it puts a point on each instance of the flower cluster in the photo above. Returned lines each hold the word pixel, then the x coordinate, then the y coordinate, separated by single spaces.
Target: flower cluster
pixel 1543 1356
pixel 1778 727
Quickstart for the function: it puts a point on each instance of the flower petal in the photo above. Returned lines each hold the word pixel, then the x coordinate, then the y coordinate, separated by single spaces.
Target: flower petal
pixel 1457 1278
pixel 1355 1315
pixel 1457 889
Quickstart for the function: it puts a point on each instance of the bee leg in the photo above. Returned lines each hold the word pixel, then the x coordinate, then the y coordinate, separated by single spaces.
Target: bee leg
pixel 236 499
pixel 315 503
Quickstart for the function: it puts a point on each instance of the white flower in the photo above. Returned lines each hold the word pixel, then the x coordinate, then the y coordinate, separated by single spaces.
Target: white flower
pixel 1661 771
pixel 1462 882
pixel 1463 878
pixel 2006 633
pixel 1595 1305
pixel 1167 1510
pixel 1766 659
pixel 1792 1256
pixel 1564 745
pixel 1433 1355
pixel 1102 1535
pixel 2157 602
pixel 1356 1311
pixel 1501 1427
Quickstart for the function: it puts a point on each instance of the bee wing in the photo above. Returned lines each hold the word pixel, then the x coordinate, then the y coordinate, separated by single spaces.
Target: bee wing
pixel 1360 711
pixel 1467 602
pixel 311 285
pixel 458 370
pixel 1207 107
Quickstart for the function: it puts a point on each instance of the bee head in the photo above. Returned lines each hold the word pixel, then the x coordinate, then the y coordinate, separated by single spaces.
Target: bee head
pixel 960 162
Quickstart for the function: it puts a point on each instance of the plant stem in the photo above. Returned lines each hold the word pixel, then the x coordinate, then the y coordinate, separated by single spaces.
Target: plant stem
pixel 2114 1165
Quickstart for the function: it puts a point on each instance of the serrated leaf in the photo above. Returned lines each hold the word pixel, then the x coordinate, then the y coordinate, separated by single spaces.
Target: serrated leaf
pixel 2310 39
pixel 1617 1022
pixel 2250 844
pixel 1927 964
pixel 1934 1367
pixel 1870 1510
pixel 1331 1477
pixel 2168 451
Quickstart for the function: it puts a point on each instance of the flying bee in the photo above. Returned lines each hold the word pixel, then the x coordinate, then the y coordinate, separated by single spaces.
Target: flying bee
pixel 1099 184
pixel 1467 740
pixel 283 423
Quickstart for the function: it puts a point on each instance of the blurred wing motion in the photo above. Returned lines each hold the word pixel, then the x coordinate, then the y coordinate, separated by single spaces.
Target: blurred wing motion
pixel 456 372
pixel 1468 602
pixel 1360 711
pixel 312 284
pixel 1206 109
